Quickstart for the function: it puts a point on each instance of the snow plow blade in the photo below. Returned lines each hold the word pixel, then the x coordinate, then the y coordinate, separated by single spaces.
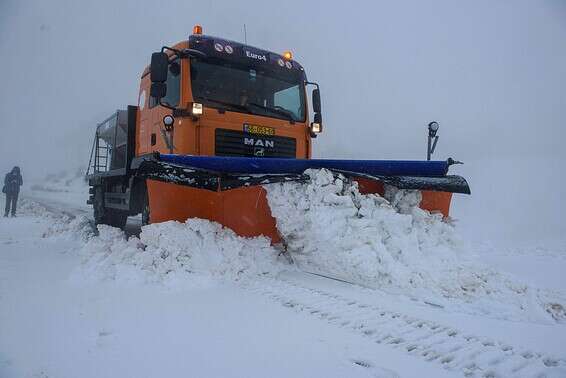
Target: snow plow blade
pixel 225 173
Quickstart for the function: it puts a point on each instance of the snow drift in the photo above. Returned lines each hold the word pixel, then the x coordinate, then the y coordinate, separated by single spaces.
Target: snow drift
pixel 389 243
pixel 330 227
pixel 386 243
pixel 193 253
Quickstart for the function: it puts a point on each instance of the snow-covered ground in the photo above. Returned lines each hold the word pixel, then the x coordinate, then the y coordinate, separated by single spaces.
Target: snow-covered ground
pixel 193 299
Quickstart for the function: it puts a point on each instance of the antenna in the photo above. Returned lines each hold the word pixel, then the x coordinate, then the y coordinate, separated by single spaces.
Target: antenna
pixel 245 35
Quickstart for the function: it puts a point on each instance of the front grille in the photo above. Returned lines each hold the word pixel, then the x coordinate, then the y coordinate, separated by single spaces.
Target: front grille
pixel 238 143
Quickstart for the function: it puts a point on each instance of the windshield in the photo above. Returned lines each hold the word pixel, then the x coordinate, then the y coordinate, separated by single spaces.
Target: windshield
pixel 249 90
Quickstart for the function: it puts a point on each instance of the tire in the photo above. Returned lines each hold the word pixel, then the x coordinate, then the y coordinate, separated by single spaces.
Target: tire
pixel 116 218
pixel 103 215
pixel 145 210
pixel 98 205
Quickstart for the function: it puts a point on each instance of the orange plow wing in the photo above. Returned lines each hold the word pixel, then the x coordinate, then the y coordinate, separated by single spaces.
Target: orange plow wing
pixel 245 210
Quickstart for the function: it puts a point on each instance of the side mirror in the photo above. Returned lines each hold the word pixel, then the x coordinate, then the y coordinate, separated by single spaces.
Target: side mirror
pixel 316 100
pixel 158 90
pixel 175 68
pixel 158 67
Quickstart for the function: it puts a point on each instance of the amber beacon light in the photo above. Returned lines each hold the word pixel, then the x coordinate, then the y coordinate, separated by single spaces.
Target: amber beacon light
pixel 197 29
pixel 288 55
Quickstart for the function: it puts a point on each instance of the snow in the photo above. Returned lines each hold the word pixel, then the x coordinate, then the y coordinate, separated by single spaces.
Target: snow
pixel 391 244
pixel 63 181
pixel 192 298
pixel 53 325
pixel 170 251
pixel 65 190
pixel 541 267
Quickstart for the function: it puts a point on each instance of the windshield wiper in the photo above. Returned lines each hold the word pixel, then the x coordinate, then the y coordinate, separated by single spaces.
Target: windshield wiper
pixel 286 113
pixel 229 104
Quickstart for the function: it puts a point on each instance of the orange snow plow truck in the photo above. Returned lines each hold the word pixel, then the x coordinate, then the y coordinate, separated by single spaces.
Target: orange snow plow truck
pixel 215 121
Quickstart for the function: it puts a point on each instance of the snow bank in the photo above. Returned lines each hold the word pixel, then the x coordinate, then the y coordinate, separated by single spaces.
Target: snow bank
pixel 393 245
pixel 331 227
pixel 190 253
pixel 386 243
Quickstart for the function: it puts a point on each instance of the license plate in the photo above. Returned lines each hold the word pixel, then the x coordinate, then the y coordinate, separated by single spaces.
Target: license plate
pixel 260 130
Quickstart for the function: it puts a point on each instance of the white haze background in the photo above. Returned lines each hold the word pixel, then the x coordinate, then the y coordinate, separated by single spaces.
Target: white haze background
pixel 493 73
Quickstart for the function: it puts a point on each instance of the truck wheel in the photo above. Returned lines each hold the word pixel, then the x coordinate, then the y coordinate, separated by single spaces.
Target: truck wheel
pixel 116 218
pixel 103 215
pixel 145 209
pixel 98 205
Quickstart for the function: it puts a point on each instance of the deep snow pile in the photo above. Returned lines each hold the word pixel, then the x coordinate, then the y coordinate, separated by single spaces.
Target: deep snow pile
pixel 190 253
pixel 329 226
pixel 391 244
pixel 387 243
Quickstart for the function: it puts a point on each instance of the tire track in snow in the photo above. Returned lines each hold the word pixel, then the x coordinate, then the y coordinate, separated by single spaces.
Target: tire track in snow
pixel 472 355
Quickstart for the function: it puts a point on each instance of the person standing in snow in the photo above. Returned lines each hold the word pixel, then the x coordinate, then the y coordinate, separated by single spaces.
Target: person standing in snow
pixel 12 183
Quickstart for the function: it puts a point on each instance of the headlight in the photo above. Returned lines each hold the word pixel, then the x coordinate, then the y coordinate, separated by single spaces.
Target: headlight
pixel 316 128
pixel 197 109
pixel 168 121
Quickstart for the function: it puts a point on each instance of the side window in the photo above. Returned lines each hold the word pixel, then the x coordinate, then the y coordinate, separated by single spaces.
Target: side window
pixel 141 100
pixel 152 102
pixel 173 82
pixel 289 99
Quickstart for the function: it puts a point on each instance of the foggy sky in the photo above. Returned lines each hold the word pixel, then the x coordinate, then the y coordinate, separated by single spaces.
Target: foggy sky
pixel 492 73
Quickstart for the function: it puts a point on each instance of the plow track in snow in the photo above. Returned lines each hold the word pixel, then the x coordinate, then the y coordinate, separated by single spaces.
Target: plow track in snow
pixel 454 350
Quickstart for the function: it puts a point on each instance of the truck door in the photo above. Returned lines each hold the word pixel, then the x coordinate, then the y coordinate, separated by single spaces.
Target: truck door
pixel 143 138
pixel 173 97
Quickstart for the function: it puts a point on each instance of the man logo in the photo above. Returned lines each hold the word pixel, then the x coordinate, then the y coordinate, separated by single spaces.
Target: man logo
pixel 259 142
pixel 259 152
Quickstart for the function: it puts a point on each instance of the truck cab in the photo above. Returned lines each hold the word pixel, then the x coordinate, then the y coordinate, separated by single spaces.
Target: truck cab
pixel 224 98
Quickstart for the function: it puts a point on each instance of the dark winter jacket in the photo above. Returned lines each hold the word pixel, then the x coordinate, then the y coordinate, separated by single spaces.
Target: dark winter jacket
pixel 13 181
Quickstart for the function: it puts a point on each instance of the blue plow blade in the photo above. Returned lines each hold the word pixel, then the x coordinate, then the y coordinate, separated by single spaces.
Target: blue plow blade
pixel 226 173
pixel 273 166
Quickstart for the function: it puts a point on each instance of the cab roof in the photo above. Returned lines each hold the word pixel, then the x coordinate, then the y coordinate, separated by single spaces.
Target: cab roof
pixel 222 48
